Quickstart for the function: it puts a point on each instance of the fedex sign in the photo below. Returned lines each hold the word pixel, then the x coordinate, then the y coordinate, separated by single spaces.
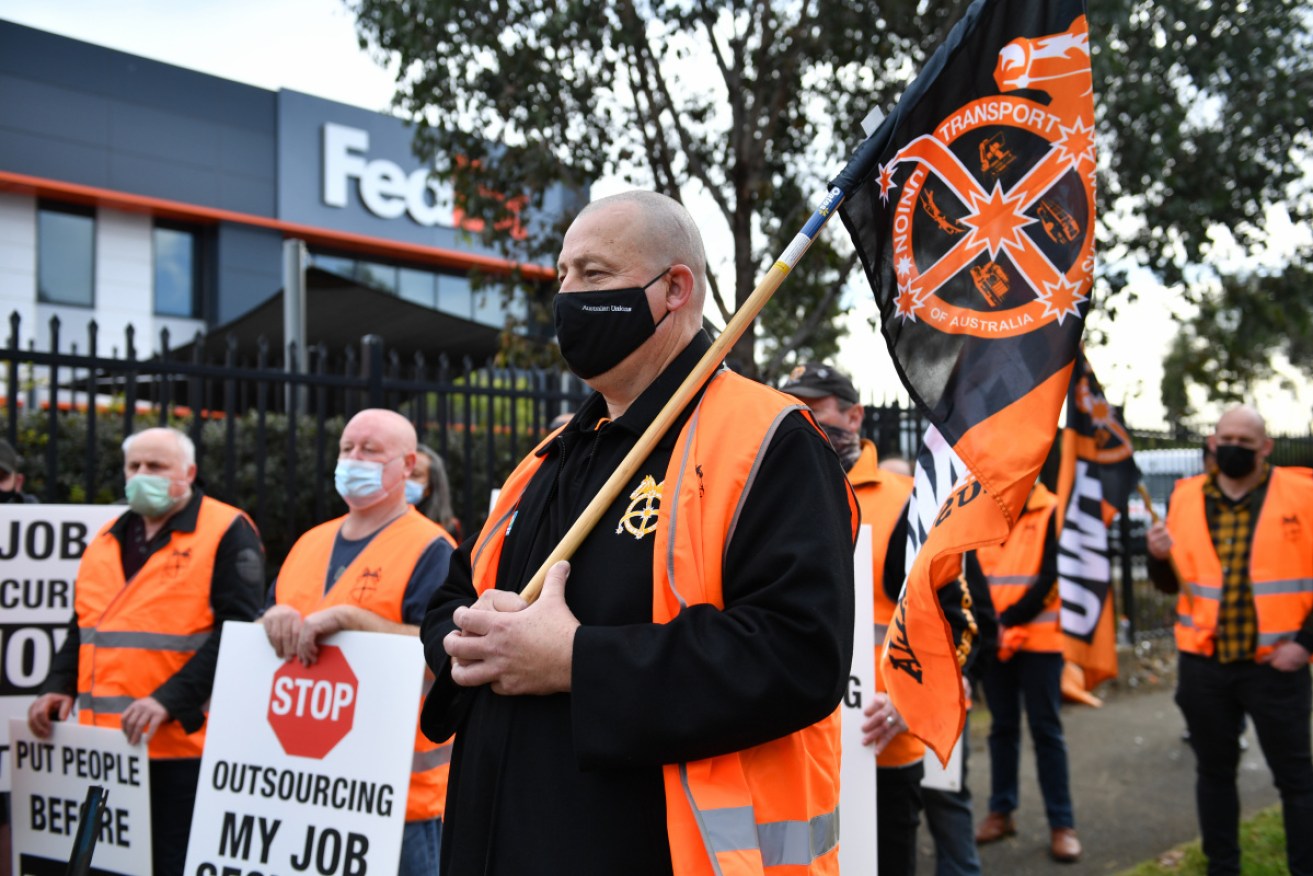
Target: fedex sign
pixel 385 189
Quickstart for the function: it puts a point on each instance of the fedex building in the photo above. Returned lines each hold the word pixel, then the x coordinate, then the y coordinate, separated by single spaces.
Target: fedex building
pixel 136 192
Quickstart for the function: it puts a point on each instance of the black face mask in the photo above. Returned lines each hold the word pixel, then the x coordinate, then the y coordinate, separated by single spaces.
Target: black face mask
pixel 7 496
pixel 1235 461
pixel 598 330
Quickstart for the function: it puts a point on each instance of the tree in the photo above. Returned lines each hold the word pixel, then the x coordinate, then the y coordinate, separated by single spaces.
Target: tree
pixel 1204 116
pixel 740 106
pixel 747 107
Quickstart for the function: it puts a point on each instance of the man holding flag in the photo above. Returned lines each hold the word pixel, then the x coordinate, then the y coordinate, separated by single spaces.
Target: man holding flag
pixel 673 707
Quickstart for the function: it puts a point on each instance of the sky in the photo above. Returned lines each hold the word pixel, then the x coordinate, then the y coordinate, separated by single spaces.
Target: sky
pixel 310 46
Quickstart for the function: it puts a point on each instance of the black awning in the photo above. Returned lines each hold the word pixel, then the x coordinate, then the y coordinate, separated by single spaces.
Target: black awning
pixel 339 312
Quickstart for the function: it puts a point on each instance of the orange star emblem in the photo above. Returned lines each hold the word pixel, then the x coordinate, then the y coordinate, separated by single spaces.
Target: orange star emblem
pixel 996 221
pixel 1062 299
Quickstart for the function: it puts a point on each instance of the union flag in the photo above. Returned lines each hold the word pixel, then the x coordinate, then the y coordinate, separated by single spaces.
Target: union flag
pixel 1096 477
pixel 972 208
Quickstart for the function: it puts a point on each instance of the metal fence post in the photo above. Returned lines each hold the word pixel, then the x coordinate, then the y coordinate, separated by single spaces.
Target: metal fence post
pixel 372 361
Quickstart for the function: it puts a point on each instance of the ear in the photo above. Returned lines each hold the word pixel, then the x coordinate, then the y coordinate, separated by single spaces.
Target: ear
pixel 855 415
pixel 408 463
pixel 191 473
pixel 679 291
pixel 1266 450
pixel 1212 443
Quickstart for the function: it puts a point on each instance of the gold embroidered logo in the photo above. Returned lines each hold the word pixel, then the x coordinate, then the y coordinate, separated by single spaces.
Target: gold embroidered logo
pixel 640 517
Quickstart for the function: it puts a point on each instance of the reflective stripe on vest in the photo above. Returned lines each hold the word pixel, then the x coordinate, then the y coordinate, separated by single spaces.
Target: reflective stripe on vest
pixel 142 641
pixel 1280 562
pixel 421 761
pixel 104 705
pixel 1011 580
pixel 780 843
pixel 1281 588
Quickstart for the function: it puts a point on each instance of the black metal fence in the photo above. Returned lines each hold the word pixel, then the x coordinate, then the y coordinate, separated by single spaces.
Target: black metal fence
pixel 266 433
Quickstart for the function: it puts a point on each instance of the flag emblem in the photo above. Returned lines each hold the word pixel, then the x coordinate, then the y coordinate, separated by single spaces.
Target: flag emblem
pixel 986 244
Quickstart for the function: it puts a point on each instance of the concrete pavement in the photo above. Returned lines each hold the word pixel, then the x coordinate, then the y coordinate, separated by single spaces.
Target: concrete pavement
pixel 1132 784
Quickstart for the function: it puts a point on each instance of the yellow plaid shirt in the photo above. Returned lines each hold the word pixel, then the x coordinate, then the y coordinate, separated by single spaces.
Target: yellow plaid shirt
pixel 1231 525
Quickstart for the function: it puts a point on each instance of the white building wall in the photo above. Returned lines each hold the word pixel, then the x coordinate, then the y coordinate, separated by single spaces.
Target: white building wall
pixel 124 292
pixel 17 265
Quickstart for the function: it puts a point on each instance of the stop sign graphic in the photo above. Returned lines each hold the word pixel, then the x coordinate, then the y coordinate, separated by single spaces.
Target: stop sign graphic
pixel 311 708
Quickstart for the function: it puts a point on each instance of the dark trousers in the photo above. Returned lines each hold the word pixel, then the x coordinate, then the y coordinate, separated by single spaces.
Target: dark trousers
pixel 948 814
pixel 1036 679
pixel 172 799
pixel 1213 697
pixel 897 815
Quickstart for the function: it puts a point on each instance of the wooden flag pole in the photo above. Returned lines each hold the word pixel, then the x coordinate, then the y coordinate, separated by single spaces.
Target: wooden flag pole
pixel 701 372
pixel 1153 515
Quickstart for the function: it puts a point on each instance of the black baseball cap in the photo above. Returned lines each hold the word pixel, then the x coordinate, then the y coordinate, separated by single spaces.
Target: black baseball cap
pixel 817 380
pixel 10 461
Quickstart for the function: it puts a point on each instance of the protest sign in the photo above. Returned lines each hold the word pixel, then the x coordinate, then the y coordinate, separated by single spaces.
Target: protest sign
pixel 857 841
pixel 40 548
pixel 306 769
pixel 50 781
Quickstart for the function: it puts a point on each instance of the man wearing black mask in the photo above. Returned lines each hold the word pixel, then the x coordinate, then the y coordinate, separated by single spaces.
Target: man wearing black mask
pixel 11 476
pixel 1238 547
pixel 672 708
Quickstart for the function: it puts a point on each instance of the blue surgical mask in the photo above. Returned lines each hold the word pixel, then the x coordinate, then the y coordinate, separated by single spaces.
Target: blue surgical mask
pixel 414 492
pixel 148 495
pixel 358 478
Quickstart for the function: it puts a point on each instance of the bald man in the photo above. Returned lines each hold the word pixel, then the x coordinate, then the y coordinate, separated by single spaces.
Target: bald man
pixel 373 569
pixel 152 593
pixel 1241 539
pixel 673 706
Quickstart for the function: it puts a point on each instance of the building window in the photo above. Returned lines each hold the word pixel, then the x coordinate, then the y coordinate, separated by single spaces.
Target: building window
pixel 418 286
pixel 455 295
pixel 66 255
pixel 176 274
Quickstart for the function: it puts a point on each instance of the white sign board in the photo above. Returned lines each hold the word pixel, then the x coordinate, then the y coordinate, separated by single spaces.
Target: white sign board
pixel 857 841
pixel 306 769
pixel 40 548
pixel 944 778
pixel 50 781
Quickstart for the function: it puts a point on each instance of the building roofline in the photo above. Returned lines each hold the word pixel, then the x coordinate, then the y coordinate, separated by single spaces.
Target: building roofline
pixel 178 210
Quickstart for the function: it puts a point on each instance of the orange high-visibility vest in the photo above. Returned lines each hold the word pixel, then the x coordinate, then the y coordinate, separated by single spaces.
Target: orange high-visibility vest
pixel 882 496
pixel 135 635
pixel 375 581
pixel 1280 562
pixel 1013 567
pixel 774 808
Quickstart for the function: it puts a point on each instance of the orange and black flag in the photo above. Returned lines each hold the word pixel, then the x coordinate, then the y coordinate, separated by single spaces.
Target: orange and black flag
pixel 1097 475
pixel 974 219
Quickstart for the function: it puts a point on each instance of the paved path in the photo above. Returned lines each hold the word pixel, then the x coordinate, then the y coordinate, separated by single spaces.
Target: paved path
pixel 1132 783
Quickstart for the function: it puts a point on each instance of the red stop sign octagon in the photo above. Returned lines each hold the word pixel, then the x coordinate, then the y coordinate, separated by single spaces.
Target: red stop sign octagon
pixel 311 708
